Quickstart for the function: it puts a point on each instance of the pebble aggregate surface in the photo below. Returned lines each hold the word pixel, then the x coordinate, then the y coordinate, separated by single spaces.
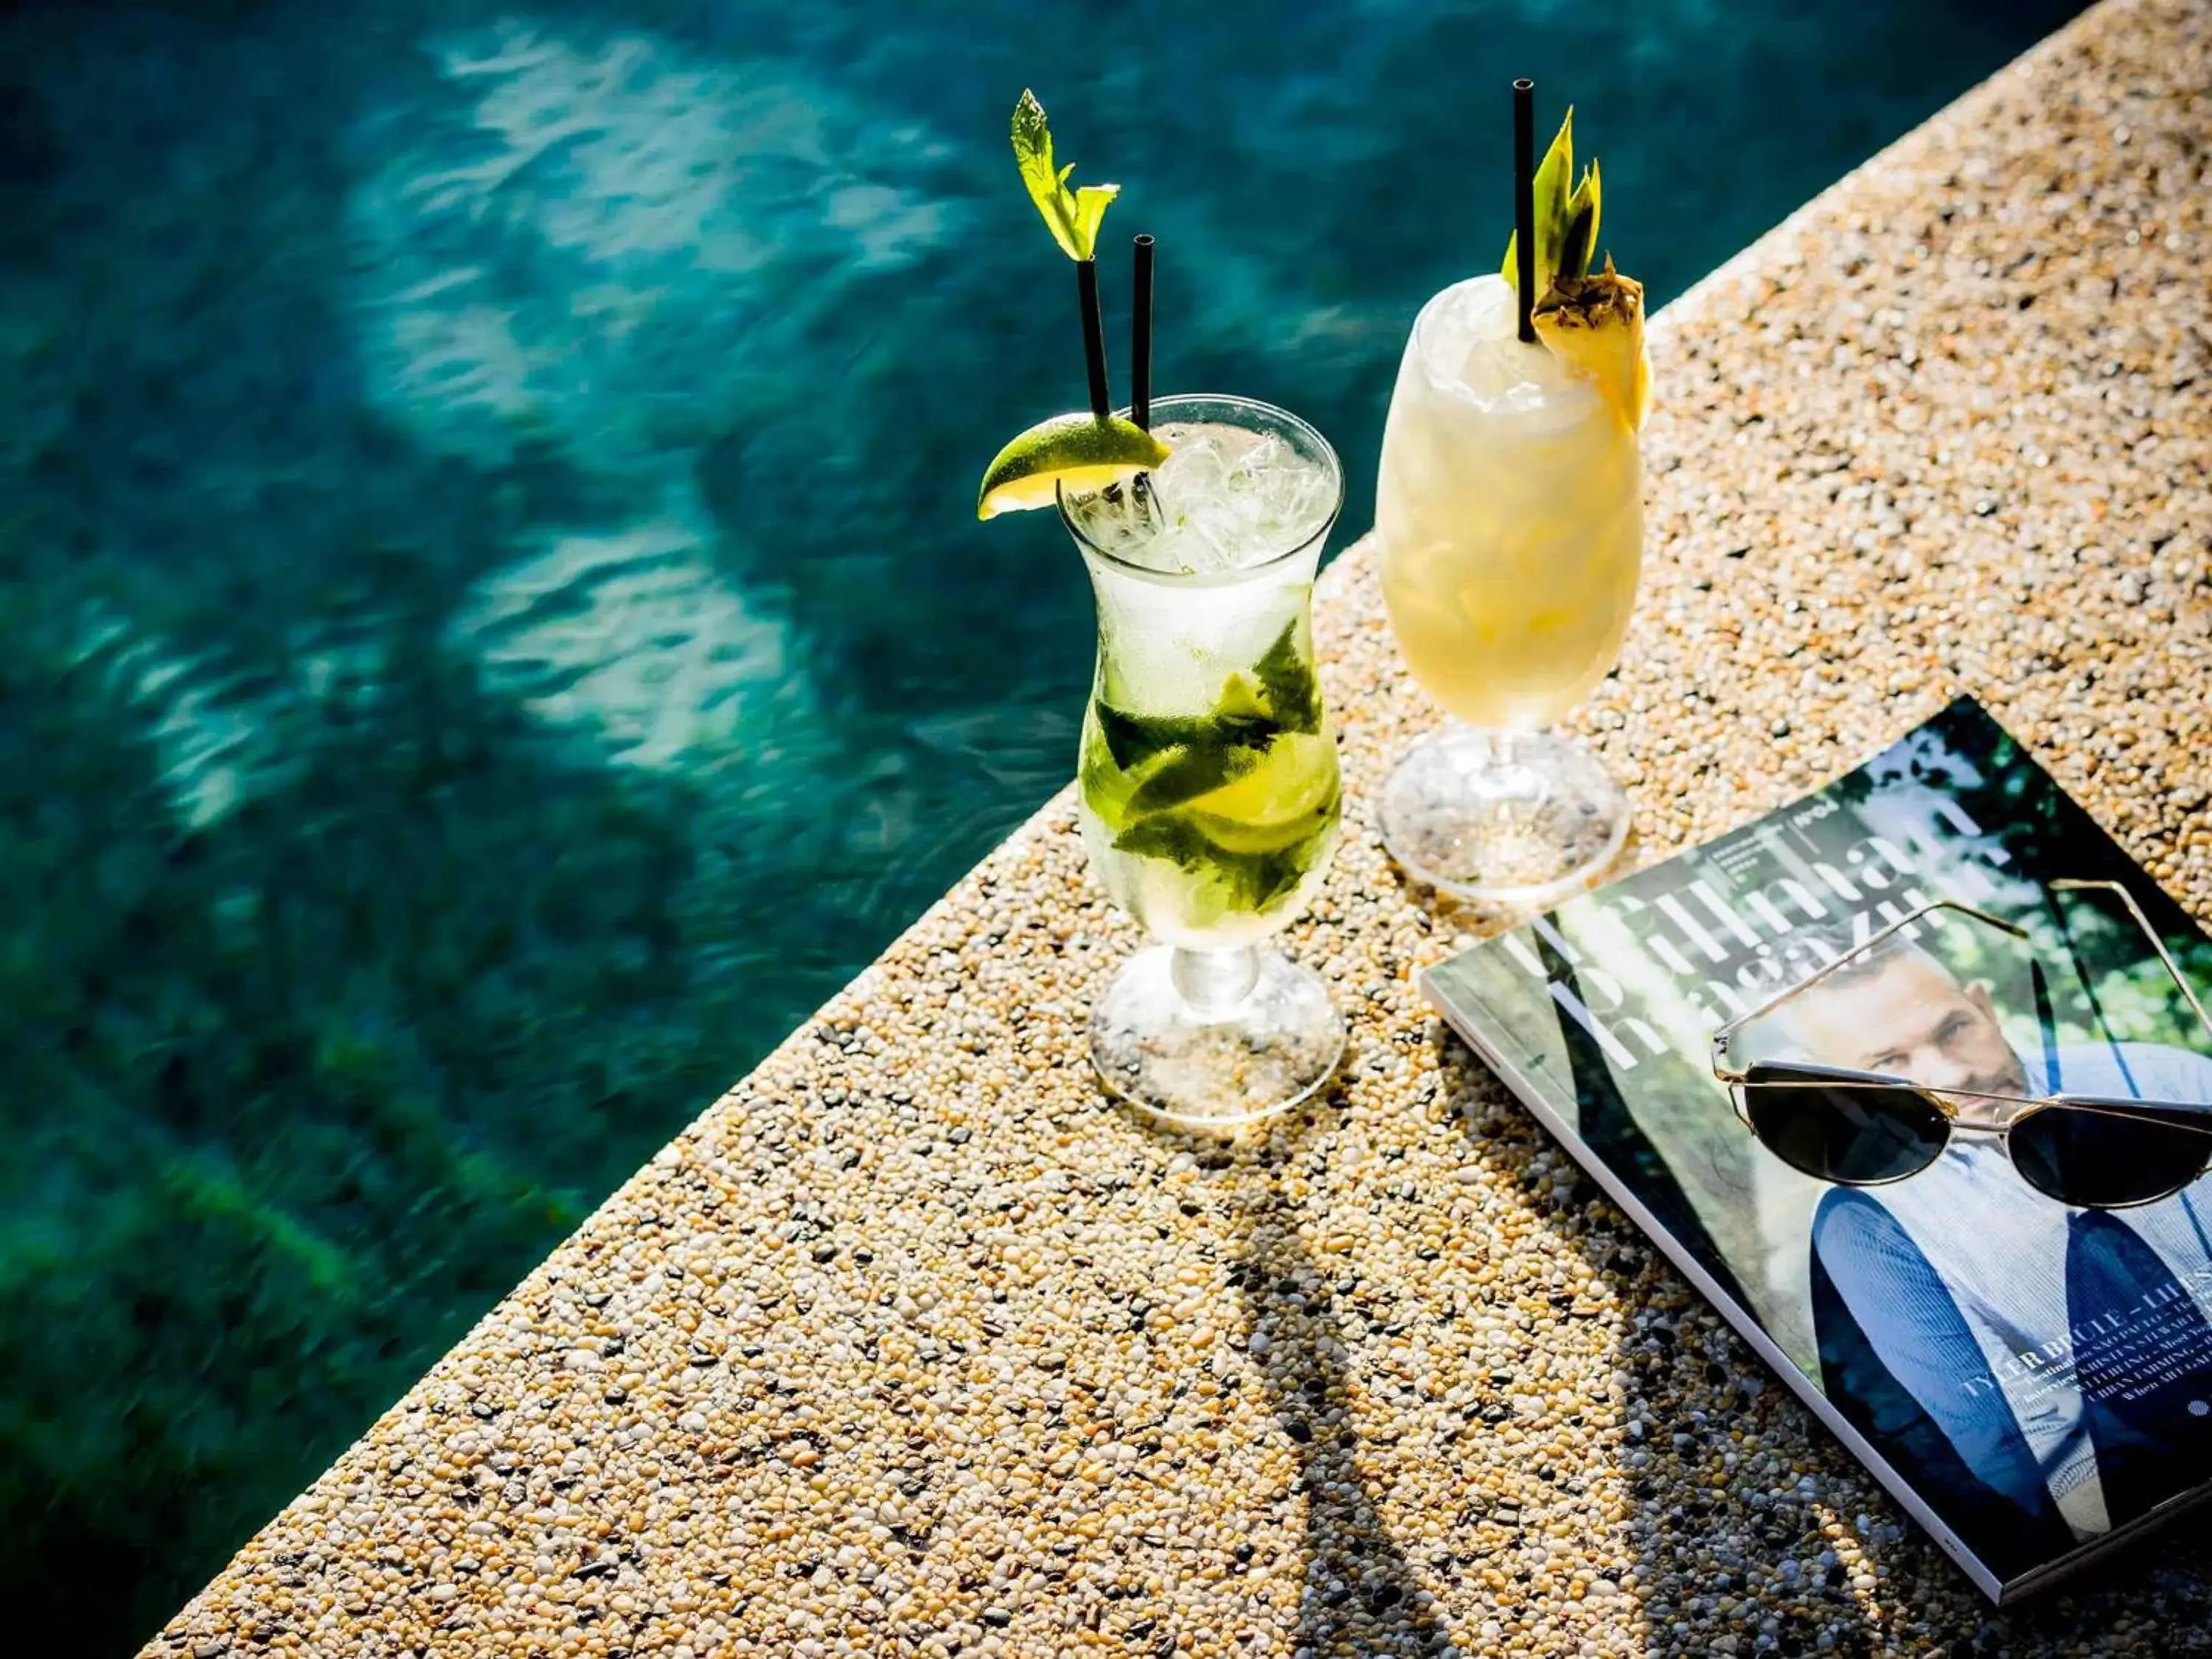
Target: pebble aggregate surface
pixel 912 1345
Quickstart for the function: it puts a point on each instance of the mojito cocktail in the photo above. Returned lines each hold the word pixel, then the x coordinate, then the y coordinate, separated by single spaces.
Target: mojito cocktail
pixel 1210 801
pixel 1208 773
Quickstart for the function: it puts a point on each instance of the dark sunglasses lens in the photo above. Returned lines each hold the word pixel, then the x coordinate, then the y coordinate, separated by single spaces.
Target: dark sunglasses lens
pixel 1851 1134
pixel 2100 1160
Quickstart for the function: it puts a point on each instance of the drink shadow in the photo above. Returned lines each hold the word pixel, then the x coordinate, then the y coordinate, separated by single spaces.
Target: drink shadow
pixel 1684 1393
pixel 1360 1593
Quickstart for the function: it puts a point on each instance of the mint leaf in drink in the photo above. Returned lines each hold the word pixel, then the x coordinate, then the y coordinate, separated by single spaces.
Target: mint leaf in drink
pixel 1071 217
pixel 1287 682
pixel 1133 740
pixel 1269 878
pixel 1247 882
pixel 1171 836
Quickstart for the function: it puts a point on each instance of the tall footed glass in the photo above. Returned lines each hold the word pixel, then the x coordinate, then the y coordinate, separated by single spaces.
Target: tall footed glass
pixel 1209 773
pixel 1509 508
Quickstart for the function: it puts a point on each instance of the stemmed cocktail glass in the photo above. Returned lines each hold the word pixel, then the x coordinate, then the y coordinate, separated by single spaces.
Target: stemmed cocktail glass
pixel 1211 803
pixel 1210 797
pixel 1510 515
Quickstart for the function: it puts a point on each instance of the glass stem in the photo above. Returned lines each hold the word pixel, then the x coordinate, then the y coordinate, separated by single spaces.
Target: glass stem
pixel 1500 747
pixel 1213 983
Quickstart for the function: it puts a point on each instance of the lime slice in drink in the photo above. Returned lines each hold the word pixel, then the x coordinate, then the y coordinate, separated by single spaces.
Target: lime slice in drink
pixel 1108 787
pixel 1076 450
pixel 1242 698
pixel 1232 835
pixel 1279 802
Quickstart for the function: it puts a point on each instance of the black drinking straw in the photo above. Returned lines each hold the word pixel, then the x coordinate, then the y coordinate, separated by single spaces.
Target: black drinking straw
pixel 1140 337
pixel 1524 204
pixel 1094 334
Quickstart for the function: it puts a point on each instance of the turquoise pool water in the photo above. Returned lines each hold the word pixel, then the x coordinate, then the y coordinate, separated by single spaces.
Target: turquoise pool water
pixel 492 625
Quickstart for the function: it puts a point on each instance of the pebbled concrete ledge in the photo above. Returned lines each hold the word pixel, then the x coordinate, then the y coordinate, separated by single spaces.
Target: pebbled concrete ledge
pixel 910 1345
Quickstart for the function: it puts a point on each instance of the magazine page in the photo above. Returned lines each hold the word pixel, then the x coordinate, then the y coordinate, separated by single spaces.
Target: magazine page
pixel 2010 1301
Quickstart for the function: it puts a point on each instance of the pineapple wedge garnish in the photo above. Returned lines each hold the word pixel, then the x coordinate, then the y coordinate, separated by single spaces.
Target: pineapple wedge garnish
pixel 1595 325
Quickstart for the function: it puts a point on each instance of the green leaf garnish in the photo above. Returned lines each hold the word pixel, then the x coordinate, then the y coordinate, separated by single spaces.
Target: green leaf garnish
pixel 1566 220
pixel 1072 216
pixel 1579 241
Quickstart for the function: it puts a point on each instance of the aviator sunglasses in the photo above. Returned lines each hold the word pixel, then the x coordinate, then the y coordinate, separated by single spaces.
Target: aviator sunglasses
pixel 1866 1129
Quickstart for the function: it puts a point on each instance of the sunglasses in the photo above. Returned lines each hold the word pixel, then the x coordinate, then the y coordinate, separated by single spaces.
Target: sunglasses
pixel 1866 1129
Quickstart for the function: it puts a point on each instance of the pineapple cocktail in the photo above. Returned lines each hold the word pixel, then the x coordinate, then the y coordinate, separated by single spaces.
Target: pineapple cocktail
pixel 1209 798
pixel 1509 510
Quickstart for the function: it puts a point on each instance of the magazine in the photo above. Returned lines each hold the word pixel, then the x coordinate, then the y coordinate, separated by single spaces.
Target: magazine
pixel 2002 1307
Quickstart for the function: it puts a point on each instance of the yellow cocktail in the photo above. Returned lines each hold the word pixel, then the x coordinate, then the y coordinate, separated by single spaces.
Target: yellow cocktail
pixel 1509 510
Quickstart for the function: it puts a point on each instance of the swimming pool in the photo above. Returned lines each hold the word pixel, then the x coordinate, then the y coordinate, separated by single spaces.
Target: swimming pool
pixel 495 628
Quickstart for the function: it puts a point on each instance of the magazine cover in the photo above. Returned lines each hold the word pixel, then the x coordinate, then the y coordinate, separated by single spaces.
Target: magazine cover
pixel 1943 1176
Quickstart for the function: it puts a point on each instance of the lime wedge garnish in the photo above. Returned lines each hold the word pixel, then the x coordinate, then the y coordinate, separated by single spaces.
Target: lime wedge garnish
pixel 1080 451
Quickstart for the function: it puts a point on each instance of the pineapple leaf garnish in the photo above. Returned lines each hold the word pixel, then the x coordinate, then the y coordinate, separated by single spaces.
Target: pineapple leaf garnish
pixel 1566 220
pixel 1072 216
pixel 1579 241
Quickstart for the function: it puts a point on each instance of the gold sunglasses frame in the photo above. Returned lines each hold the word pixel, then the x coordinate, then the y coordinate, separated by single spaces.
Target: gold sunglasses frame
pixel 2012 1110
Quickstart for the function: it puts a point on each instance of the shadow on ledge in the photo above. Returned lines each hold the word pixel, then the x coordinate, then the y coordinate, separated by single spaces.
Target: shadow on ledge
pixel 1361 1594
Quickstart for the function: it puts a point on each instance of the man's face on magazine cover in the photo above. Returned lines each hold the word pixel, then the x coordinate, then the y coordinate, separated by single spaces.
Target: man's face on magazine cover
pixel 1909 1019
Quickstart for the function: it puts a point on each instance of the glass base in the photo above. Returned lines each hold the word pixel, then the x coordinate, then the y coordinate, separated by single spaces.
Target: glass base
pixel 1212 1039
pixel 1515 818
